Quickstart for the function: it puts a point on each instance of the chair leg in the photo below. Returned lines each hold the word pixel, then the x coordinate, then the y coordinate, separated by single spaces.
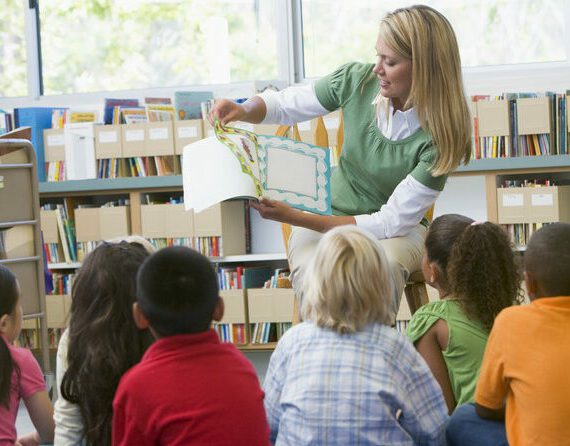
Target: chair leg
pixel 416 295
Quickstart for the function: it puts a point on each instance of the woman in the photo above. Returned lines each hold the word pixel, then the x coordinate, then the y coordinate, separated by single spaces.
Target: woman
pixel 404 132
pixel 101 343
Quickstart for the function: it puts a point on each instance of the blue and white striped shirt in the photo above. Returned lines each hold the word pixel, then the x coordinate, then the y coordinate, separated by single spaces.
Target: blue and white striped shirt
pixel 367 388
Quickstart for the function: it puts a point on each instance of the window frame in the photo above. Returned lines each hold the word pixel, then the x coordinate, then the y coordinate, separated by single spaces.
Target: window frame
pixel 493 79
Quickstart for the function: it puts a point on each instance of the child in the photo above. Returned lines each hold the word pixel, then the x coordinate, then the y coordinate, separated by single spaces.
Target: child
pixel 476 272
pixel 101 343
pixel 344 376
pixel 189 388
pixel 20 374
pixel 527 359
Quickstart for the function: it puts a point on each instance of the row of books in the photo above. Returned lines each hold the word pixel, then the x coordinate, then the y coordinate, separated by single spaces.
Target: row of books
pixel 30 338
pixel 59 234
pixel 59 284
pixel 261 332
pixel 239 277
pixel 520 124
pixel 520 233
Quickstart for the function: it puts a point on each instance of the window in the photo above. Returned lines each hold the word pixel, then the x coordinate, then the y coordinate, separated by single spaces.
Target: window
pixel 13 68
pixel 93 45
pixel 489 32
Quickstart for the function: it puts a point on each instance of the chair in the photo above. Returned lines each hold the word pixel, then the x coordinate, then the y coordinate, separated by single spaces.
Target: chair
pixel 415 289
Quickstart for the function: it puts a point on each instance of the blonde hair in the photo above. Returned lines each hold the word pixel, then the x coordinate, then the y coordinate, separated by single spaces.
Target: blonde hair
pixel 425 36
pixel 347 285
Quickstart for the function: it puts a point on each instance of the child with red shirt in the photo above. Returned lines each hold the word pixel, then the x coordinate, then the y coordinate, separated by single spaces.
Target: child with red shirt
pixel 189 388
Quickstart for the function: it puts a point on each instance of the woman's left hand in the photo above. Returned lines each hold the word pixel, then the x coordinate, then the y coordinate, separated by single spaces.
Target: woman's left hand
pixel 273 209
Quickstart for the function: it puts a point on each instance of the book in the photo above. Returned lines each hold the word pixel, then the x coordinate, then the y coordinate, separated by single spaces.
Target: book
pixel 188 104
pixel 110 104
pixel 38 118
pixel 237 163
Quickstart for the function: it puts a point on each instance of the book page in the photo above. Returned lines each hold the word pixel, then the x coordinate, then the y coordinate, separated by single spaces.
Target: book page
pixel 296 173
pixel 211 174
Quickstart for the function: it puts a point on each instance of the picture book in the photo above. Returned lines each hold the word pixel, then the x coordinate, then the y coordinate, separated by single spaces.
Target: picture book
pixel 189 103
pixel 237 163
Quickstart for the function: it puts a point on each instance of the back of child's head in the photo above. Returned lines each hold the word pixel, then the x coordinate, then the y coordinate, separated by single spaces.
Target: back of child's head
pixel 8 301
pixel 104 341
pixel 442 233
pixel 547 258
pixel 484 272
pixel 177 291
pixel 347 285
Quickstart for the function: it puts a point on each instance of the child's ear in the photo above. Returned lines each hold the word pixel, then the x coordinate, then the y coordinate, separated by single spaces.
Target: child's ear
pixel 531 285
pixel 140 320
pixel 218 313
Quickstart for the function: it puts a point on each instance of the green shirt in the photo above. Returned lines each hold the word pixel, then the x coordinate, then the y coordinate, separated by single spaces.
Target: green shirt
pixel 370 166
pixel 467 340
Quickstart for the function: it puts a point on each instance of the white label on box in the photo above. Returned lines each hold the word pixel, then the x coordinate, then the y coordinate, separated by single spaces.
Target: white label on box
pixel 304 126
pixel 332 123
pixel 187 132
pixel 56 140
pixel 134 135
pixel 158 133
pixel 512 200
pixel 108 137
pixel 542 199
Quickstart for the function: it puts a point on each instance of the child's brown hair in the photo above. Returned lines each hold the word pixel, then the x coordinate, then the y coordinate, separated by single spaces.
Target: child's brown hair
pixel 484 272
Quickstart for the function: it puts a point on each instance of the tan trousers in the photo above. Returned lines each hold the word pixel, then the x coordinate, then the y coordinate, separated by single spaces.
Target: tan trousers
pixel 404 256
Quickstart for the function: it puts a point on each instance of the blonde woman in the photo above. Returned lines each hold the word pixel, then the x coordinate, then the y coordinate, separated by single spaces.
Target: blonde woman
pixel 344 376
pixel 406 126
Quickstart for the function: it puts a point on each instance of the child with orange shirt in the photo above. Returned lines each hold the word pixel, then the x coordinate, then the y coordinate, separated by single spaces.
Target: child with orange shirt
pixel 524 375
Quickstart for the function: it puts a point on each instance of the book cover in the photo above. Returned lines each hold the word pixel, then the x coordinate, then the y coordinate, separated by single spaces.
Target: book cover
pixel 110 104
pixel 188 103
pixel 237 163
pixel 38 118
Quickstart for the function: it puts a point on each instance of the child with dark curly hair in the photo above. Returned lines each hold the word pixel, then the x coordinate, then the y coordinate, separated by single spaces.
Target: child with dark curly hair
pixel 477 274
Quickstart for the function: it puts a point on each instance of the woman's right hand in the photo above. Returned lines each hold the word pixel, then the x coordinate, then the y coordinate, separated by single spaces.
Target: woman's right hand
pixel 226 111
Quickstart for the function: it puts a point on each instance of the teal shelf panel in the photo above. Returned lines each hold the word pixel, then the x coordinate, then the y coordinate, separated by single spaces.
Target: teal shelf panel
pixel 514 163
pixel 111 184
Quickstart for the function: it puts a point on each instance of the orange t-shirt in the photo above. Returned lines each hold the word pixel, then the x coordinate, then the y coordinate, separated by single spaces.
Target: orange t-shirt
pixel 527 363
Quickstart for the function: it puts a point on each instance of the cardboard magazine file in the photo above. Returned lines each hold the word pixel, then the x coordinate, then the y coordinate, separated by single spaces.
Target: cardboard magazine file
pixel 225 220
pixel 16 242
pixel 159 139
pixel 26 271
pixel 55 309
pixel 16 182
pixel 133 139
pixel 108 142
pixel 186 132
pixel 511 205
pixel 54 145
pixel 493 117
pixel 270 304
pixel 547 204
pixel 48 221
pixel 94 224
pixel 207 129
pixel 166 221
pixel 234 307
pixel 533 116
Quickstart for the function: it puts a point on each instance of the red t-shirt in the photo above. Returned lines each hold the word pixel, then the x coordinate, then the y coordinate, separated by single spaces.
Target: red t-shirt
pixel 31 381
pixel 190 389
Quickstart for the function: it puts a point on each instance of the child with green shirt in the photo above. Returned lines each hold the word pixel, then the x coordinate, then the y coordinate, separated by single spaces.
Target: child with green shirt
pixel 476 272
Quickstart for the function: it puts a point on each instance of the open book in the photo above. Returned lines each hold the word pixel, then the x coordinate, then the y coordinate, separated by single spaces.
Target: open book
pixel 237 163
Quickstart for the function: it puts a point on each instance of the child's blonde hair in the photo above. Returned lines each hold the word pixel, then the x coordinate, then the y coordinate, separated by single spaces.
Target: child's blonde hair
pixel 347 285
pixel 425 36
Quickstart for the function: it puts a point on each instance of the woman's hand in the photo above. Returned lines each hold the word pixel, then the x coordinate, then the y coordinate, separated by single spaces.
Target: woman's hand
pixel 273 210
pixel 226 111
